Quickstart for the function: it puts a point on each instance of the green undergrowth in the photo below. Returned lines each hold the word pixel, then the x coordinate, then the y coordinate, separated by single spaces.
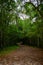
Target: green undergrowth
pixel 8 49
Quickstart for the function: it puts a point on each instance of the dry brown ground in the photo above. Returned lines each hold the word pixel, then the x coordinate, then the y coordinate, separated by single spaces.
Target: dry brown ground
pixel 25 55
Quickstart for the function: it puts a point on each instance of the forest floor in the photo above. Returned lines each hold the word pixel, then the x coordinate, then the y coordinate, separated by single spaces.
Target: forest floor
pixel 24 55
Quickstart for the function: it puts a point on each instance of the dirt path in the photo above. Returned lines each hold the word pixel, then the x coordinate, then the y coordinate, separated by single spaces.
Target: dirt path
pixel 23 56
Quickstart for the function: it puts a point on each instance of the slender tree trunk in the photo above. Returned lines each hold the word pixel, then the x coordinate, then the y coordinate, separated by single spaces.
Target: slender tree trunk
pixel 38 42
pixel 30 41
pixel 1 41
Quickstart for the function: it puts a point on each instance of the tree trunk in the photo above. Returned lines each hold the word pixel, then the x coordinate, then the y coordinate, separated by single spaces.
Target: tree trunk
pixel 1 45
pixel 38 42
pixel 30 41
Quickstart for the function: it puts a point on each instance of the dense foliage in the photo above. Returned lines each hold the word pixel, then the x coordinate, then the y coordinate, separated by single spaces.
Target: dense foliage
pixel 13 29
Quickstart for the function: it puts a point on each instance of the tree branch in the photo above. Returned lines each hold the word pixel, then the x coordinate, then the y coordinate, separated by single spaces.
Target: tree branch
pixel 36 9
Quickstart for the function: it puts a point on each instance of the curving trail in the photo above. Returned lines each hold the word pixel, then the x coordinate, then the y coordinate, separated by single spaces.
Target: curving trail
pixel 25 55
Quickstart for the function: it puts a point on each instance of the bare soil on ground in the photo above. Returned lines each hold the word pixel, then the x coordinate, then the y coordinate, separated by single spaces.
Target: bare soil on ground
pixel 24 55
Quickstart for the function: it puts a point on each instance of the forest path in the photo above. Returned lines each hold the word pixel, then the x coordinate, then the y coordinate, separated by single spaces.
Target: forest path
pixel 25 55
